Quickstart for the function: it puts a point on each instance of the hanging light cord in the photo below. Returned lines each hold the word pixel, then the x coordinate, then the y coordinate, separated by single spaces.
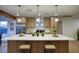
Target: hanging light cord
pixel 38 10
pixel 19 9
pixel 56 10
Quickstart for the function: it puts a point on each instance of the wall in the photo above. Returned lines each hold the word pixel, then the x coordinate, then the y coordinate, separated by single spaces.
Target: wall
pixel 69 26
pixel 59 27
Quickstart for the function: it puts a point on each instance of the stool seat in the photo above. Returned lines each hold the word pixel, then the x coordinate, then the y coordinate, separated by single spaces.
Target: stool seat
pixel 50 46
pixel 27 46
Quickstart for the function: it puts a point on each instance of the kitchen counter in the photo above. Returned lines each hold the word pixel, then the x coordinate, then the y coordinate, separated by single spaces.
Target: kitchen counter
pixel 45 37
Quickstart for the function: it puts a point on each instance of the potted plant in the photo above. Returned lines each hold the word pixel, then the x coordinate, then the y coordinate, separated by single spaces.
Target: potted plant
pixel 77 33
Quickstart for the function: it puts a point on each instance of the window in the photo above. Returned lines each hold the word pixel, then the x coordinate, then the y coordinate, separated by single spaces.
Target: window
pixel 3 23
pixel 3 26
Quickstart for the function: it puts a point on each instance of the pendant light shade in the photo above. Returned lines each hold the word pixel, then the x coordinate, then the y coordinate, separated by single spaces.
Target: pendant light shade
pixel 56 19
pixel 19 20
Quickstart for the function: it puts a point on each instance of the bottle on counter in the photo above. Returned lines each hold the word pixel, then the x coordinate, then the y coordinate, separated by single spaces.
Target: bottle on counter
pixel 42 34
pixel 32 34
pixel 37 34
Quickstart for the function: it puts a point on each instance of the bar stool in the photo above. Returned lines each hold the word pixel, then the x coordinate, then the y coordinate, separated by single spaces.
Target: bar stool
pixel 26 48
pixel 49 48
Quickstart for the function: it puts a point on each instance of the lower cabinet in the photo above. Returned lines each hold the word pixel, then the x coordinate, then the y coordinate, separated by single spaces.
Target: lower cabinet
pixel 38 46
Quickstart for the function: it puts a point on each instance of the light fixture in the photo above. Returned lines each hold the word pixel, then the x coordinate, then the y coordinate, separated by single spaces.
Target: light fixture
pixel 56 19
pixel 56 14
pixel 38 15
pixel 19 19
pixel 38 20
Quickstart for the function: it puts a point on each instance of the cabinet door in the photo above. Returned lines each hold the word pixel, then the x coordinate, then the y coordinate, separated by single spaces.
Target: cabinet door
pixel 47 22
pixel 31 22
pixel 12 46
pixel 40 47
pixel 37 47
pixel 63 46
pixel 34 46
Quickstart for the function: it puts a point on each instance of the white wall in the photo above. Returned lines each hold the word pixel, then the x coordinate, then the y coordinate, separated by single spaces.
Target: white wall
pixel 69 26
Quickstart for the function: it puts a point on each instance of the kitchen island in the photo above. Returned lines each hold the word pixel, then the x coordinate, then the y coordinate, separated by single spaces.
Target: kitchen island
pixel 38 42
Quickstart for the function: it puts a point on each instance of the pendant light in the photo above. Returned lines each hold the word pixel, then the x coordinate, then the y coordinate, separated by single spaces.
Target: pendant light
pixel 19 19
pixel 56 14
pixel 38 14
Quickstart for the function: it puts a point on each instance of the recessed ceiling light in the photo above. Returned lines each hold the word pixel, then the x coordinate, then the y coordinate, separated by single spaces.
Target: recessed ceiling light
pixel 39 14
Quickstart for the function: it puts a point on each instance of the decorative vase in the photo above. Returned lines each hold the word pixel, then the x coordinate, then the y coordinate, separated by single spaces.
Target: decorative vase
pixel 55 33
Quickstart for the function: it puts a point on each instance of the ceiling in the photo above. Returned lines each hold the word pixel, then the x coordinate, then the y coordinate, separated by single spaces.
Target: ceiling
pixel 44 10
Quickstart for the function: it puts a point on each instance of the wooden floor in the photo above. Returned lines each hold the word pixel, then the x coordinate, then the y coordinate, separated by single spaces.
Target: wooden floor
pixel 73 46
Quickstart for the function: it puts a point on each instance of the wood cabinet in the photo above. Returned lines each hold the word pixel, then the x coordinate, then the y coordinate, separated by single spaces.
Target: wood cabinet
pixel 47 22
pixel 31 21
pixel 38 46
pixel 12 47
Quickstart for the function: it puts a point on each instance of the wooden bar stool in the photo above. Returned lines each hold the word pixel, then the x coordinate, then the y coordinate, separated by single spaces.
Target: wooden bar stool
pixel 25 48
pixel 49 48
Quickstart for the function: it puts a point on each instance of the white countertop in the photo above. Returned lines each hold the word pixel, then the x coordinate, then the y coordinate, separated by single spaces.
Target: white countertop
pixel 45 37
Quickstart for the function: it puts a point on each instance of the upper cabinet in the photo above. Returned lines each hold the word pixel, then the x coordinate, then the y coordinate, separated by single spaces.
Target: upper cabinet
pixel 47 22
pixel 31 21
